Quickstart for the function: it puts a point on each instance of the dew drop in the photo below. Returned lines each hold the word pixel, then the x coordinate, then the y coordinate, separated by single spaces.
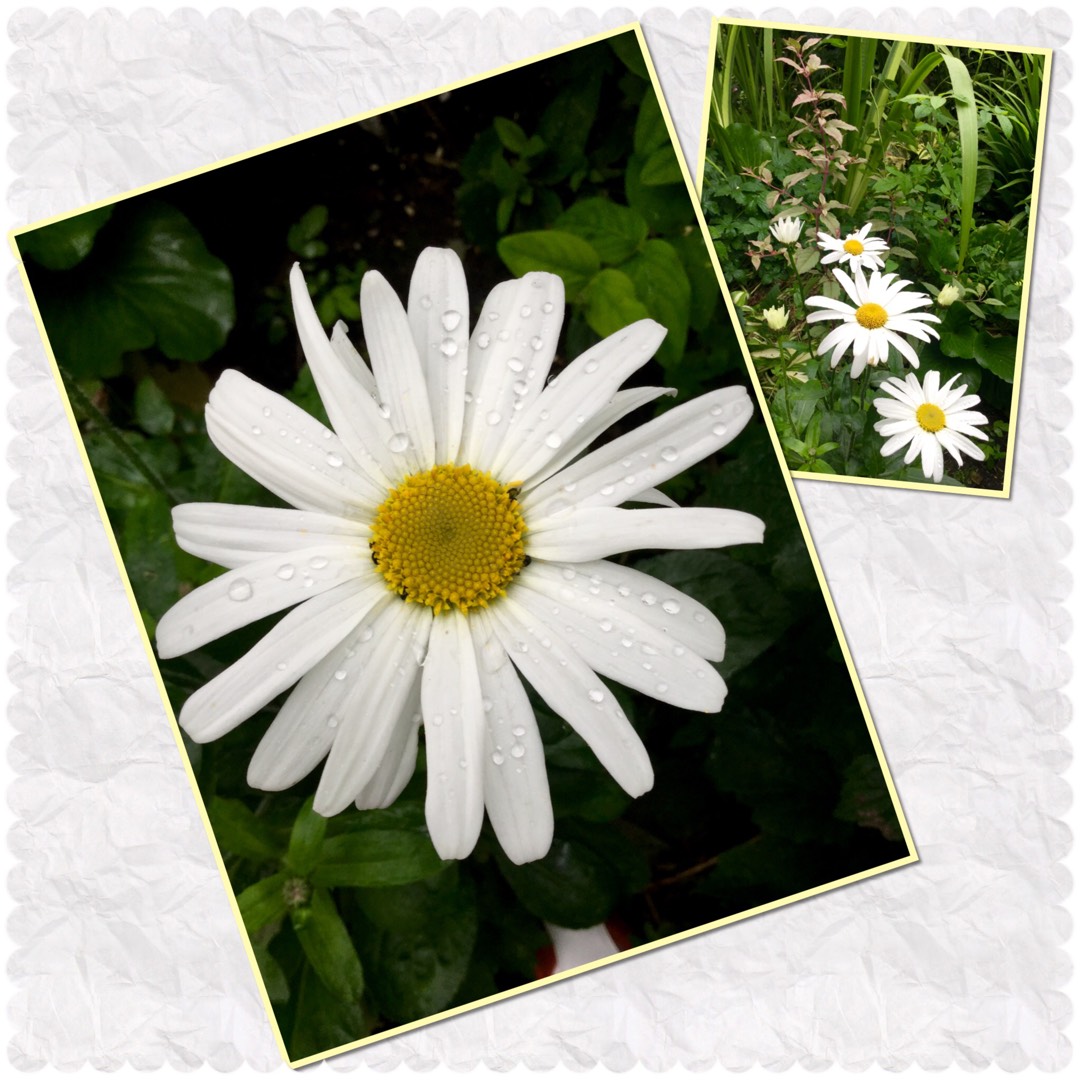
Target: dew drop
pixel 648 598
pixel 568 488
pixel 526 311
pixel 462 763
pixel 517 750
pixel 384 411
pixel 521 646
pixel 468 398
pixel 367 634
pixel 425 302
pixel 700 673
pixel 286 571
pixel 623 590
pixel 626 643
pixel 606 625
pixel 629 479
pixel 662 687
pixel 504 335
pixel 398 442
pixel 647 667
pixel 699 617
pixel 282 432
pixel 590 367
pixel 498 757
pixel 335 461
pixel 256 430
pixel 308 582
pixel 332 722
pixel 518 731
pixel 451 320
pixel 719 431
pixel 494 418
pixel 548 308
pixel 553 440
pixel 536 344
pixel 596 696
pixel 678 650
pixel 669 453
pixel 318 562
pixel 437 719
pixel 266 411
pixel 521 387
pixel 340 674
pixel 281 666
pixel 483 340
pixel 545 642
pixel 671 607
pixel 487 704
pixel 240 589
pixel 608 489
pixel 448 348
pixel 493 316
pixel 648 650
pixel 514 364
pixel 568 573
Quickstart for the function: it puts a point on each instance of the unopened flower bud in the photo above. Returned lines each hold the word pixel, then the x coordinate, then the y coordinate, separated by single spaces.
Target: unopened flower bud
pixel 776 317
pixel 949 294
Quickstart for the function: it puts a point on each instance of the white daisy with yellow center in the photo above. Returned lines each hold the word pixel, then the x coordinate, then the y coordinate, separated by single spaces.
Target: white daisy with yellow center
pixel 929 418
pixel 859 250
pixel 449 535
pixel 881 311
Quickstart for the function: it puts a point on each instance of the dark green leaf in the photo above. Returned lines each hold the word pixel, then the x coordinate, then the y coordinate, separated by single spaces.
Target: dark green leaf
pixel 666 207
pixel 865 799
pixel 376 857
pixel 511 135
pixel 306 839
pixel 650 129
pixel 153 412
pixel 997 354
pixel 615 232
pixel 277 986
pixel 328 947
pixel 262 902
pixel 322 1019
pixel 240 832
pixel 662 285
pixel 661 167
pixel 557 252
pixel 64 244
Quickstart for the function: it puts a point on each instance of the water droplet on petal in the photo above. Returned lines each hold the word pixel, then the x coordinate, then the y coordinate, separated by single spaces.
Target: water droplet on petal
pixel 514 364
pixel 487 704
pixel 669 453
pixel 504 335
pixel 569 573
pixel 437 720
pixel 448 348
pixel 623 590
pixel 384 411
pixel 335 461
pixel 606 625
pixel 266 411
pixel 367 634
pixel 240 589
pixel 536 344
pixel 425 302
pixel 517 750
pixel 398 442
pixel 340 674
pixel 255 430
pixel 648 598
pixel 498 757
pixel 462 763
pixel 331 721
pixel 719 431
pixel 518 731
pixel 281 666
pixel 526 311
pixel 483 340
pixel 596 696
pixel 590 367
pixel 678 650
pixel 569 488
pixel 521 387
pixel 608 489
pixel 662 687
pixel 494 418
pixel 553 440
pixel 318 562
pixel 671 607
pixel 549 307
pixel 699 617
pixel 451 320
pixel 286 571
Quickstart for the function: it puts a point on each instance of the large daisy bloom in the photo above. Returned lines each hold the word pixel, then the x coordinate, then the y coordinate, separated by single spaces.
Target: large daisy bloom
pixel 859 250
pixel 786 229
pixel 929 418
pixel 449 536
pixel 881 310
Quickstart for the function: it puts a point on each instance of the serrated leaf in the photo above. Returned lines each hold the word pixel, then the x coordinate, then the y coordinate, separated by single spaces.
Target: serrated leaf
pixel 555 251
pixel 615 232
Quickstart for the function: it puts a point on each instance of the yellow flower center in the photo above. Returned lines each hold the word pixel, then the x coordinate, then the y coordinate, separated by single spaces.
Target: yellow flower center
pixel 930 418
pixel 872 316
pixel 449 537
pixel 853 246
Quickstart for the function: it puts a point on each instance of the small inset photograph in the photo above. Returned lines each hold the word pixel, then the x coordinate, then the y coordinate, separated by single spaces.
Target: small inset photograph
pixel 872 202
pixel 464 555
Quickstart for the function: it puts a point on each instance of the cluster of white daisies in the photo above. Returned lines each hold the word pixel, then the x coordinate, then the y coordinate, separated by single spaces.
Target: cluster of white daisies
pixel 926 417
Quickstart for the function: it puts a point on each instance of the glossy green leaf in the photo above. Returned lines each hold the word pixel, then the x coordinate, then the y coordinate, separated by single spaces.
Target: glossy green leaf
pixel 663 287
pixel 328 947
pixel 322 1020
pixel 64 244
pixel 153 411
pixel 240 832
pixel 997 354
pixel 612 302
pixel 306 839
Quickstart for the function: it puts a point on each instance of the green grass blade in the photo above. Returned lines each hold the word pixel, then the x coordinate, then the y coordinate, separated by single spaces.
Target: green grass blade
pixel 967 120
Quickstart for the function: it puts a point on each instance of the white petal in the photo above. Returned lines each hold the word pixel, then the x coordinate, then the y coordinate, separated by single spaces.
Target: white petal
pixel 366 731
pixel 582 389
pixel 654 497
pixel 308 466
pixel 891 427
pixel 439 318
pixel 398 764
pixel 308 723
pixel 513 345
pixel 351 359
pixel 668 611
pixel 273 664
pixel 402 389
pixel 454 736
pixel 614 642
pixel 655 451
pixel 231 535
pixel 933 460
pixel 892 410
pixel 624 402
pixel 515 772
pixel 243 596
pixel 572 690
pixel 899 440
pixel 830 304
pixel 594 532
pixel 345 386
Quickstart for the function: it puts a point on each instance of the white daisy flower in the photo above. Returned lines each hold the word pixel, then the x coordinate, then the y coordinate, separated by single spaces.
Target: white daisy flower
pixel 786 229
pixel 928 418
pixel 883 310
pixel 446 532
pixel 859 250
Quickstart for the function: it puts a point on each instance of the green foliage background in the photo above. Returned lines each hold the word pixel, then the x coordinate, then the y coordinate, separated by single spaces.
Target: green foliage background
pixel 563 165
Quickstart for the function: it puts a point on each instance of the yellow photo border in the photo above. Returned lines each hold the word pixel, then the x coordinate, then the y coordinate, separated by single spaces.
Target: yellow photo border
pixel 401 1029
pixel 699 178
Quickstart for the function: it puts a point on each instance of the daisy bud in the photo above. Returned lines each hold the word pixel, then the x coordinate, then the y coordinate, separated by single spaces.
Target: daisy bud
pixel 775 317
pixel 949 294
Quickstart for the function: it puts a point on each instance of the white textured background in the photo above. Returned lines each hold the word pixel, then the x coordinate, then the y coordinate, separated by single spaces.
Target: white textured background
pixel 124 948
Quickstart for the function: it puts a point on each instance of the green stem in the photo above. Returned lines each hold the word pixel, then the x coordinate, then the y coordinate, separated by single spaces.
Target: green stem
pixel 109 430
pixel 798 281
